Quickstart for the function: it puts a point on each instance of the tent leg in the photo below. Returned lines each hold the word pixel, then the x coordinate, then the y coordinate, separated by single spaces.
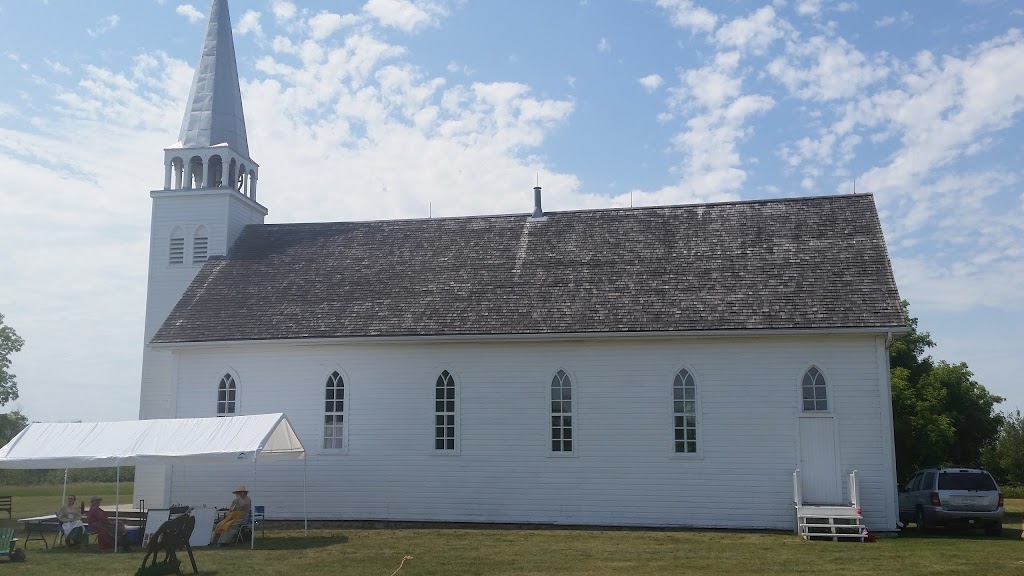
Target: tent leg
pixel 252 508
pixel 117 506
pixel 64 494
pixel 305 518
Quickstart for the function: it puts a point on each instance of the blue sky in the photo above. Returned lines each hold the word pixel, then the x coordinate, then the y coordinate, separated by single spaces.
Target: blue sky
pixel 396 108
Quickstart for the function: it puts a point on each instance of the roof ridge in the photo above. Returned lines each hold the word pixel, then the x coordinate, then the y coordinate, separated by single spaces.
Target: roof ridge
pixel 581 210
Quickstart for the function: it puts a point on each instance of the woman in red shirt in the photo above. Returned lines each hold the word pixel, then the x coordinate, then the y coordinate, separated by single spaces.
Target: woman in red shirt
pixel 103 526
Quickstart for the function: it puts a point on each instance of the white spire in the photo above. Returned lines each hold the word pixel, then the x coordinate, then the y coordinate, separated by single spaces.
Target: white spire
pixel 214 112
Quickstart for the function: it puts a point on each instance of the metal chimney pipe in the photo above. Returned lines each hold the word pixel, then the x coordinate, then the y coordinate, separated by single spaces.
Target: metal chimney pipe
pixel 537 211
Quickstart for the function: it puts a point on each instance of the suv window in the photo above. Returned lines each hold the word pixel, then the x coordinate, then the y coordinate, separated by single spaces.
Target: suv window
pixel 912 485
pixel 974 481
pixel 928 481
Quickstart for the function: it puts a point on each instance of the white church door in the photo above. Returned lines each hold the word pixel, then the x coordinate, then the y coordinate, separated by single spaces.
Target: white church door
pixel 819 461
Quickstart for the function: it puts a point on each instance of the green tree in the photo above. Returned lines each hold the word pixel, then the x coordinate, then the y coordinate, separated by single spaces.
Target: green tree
pixel 1005 458
pixel 10 343
pixel 971 411
pixel 10 424
pixel 941 415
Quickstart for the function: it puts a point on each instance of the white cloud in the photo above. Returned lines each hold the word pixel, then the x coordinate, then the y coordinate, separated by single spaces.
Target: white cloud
pixel 685 14
pixel 904 18
pixel 808 7
pixel 326 23
pixel 108 24
pixel 406 15
pixel 191 12
pixel 651 82
pixel 456 68
pixel 603 45
pixel 57 66
pixel 826 68
pixel 249 23
pixel 755 33
pixel 718 110
pixel 283 10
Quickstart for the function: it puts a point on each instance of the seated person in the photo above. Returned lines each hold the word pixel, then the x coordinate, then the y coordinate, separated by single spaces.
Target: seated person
pixel 103 526
pixel 71 522
pixel 237 514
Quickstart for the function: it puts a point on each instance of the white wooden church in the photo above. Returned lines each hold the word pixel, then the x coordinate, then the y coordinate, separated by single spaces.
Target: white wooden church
pixel 665 366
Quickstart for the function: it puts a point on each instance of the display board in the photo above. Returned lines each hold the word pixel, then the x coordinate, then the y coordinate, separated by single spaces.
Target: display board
pixel 203 531
pixel 155 518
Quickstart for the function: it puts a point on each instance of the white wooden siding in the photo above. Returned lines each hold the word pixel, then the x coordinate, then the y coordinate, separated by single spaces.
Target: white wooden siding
pixel 222 212
pixel 624 471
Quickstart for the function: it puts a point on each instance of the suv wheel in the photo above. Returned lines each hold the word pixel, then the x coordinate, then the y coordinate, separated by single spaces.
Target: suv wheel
pixel 922 524
pixel 994 530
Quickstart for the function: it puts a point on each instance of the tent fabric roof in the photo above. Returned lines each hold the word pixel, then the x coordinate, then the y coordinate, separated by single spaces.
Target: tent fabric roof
pixel 103 444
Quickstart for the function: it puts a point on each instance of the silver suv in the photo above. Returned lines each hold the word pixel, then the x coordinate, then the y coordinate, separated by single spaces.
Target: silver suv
pixel 952 496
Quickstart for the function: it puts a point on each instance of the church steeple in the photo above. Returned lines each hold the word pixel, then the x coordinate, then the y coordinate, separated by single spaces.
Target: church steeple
pixel 212 149
pixel 214 112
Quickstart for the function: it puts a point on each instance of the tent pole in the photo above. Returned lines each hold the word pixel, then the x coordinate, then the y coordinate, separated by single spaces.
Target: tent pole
pixel 252 509
pixel 305 518
pixel 117 506
pixel 64 494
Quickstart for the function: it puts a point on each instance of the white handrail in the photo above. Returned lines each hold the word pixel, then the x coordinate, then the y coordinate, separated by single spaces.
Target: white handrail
pixel 854 493
pixel 796 488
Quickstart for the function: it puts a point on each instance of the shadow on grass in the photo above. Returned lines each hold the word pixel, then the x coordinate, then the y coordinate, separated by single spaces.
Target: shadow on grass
pixel 282 542
pixel 271 542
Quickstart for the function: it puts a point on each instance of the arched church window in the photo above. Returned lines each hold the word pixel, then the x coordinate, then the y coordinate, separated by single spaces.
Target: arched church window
pixel 200 246
pixel 561 413
pixel 684 412
pixel 445 436
pixel 177 247
pixel 334 412
pixel 814 391
pixel 226 395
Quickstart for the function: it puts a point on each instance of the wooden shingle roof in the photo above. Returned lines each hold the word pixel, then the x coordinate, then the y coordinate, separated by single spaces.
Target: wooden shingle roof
pixel 805 263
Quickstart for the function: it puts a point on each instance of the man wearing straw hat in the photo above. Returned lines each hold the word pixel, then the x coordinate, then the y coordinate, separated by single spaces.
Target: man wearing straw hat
pixel 237 514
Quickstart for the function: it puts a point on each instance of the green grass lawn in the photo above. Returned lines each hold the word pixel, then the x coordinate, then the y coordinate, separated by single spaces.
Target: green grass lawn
pixel 341 549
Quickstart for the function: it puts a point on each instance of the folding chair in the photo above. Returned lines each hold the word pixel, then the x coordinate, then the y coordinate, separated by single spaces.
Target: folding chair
pixel 258 516
pixel 244 532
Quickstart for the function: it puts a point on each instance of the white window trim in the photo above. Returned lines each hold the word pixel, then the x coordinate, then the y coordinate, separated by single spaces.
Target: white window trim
pixel 345 413
pixel 575 387
pixel 697 379
pixel 238 393
pixel 829 393
pixel 457 379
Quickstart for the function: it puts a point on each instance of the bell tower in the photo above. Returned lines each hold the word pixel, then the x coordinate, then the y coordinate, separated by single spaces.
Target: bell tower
pixel 212 150
pixel 208 196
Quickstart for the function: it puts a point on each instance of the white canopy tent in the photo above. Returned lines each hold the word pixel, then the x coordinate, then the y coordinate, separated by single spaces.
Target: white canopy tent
pixel 183 440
